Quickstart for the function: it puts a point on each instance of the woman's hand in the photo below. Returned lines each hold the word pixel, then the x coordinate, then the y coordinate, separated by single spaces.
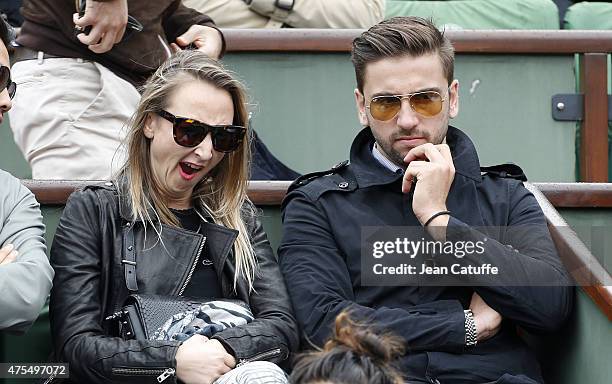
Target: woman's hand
pixel 8 254
pixel 200 360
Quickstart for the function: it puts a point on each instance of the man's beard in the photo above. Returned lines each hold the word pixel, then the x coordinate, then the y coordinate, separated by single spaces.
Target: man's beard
pixel 387 150
pixel 386 146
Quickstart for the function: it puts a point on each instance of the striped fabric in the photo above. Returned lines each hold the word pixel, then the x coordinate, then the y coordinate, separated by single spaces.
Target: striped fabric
pixel 384 161
pixel 257 372
pixel 211 317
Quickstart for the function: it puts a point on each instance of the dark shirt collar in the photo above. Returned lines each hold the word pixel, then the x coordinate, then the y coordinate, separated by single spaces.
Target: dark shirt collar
pixel 369 171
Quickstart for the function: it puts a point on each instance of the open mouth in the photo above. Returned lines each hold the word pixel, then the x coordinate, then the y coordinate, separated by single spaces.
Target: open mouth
pixel 188 170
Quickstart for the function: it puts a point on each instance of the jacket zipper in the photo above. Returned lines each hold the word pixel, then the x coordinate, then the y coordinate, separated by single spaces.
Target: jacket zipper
pixel 119 314
pixel 163 373
pixel 193 266
pixel 260 356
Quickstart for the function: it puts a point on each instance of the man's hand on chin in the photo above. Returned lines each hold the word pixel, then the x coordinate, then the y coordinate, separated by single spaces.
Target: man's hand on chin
pixel 431 173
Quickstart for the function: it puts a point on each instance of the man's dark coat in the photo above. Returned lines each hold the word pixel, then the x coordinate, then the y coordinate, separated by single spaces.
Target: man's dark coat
pixel 320 259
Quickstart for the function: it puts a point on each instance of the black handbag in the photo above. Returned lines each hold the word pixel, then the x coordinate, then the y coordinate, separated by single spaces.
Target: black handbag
pixel 143 316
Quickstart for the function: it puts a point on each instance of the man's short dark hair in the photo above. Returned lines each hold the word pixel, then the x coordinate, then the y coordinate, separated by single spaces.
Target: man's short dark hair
pixel 401 36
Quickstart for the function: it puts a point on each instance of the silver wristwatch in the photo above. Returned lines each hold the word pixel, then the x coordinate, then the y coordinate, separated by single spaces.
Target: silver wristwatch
pixel 471 332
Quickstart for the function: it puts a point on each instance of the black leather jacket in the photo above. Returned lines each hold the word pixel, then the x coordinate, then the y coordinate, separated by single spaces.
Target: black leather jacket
pixel 89 246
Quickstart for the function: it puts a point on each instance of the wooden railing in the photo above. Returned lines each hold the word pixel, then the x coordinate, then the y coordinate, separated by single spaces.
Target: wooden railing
pixel 577 195
pixel 586 269
pixel 594 46
pixel 55 192
pixel 560 195
pixel 473 41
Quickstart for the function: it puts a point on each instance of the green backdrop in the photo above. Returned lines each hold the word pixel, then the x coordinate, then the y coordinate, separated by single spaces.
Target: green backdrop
pixel 304 110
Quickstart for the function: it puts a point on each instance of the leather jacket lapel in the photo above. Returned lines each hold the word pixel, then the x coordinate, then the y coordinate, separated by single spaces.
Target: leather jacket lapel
pixel 219 242
pixel 157 260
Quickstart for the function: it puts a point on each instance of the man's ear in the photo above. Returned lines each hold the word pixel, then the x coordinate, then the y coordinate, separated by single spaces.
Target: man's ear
pixel 361 109
pixel 453 99
pixel 148 129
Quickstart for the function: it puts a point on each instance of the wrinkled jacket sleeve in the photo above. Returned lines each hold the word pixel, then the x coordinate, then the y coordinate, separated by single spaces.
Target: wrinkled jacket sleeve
pixel 25 282
pixel 324 13
pixel 533 289
pixel 178 18
pixel 273 333
pixel 77 298
pixel 320 287
pixel 336 13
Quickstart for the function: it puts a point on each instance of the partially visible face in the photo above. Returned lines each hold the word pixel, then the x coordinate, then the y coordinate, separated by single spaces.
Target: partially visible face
pixel 5 100
pixel 400 76
pixel 179 169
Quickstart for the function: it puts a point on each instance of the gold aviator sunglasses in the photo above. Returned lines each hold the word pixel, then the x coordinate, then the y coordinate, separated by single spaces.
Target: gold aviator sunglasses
pixel 425 103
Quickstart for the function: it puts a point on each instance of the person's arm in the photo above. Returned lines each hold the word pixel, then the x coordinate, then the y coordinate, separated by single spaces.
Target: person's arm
pixel 82 261
pixel 25 280
pixel 323 13
pixel 274 330
pixel 320 287
pixel 519 291
pixel 533 288
pixel 185 26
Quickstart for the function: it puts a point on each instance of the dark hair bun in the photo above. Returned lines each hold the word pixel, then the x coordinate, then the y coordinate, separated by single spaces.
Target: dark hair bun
pixel 355 354
pixel 364 341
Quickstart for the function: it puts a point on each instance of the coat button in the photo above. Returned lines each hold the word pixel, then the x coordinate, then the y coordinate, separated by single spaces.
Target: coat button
pixel 343 184
pixel 130 248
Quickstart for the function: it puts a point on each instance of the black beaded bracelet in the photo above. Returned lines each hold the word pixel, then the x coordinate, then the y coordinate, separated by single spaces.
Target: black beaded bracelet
pixel 436 215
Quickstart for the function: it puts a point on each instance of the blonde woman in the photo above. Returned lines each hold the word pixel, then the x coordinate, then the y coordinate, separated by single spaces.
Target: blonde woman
pixel 175 221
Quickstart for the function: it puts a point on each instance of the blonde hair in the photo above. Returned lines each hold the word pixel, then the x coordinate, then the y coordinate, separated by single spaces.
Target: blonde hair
pixel 223 192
